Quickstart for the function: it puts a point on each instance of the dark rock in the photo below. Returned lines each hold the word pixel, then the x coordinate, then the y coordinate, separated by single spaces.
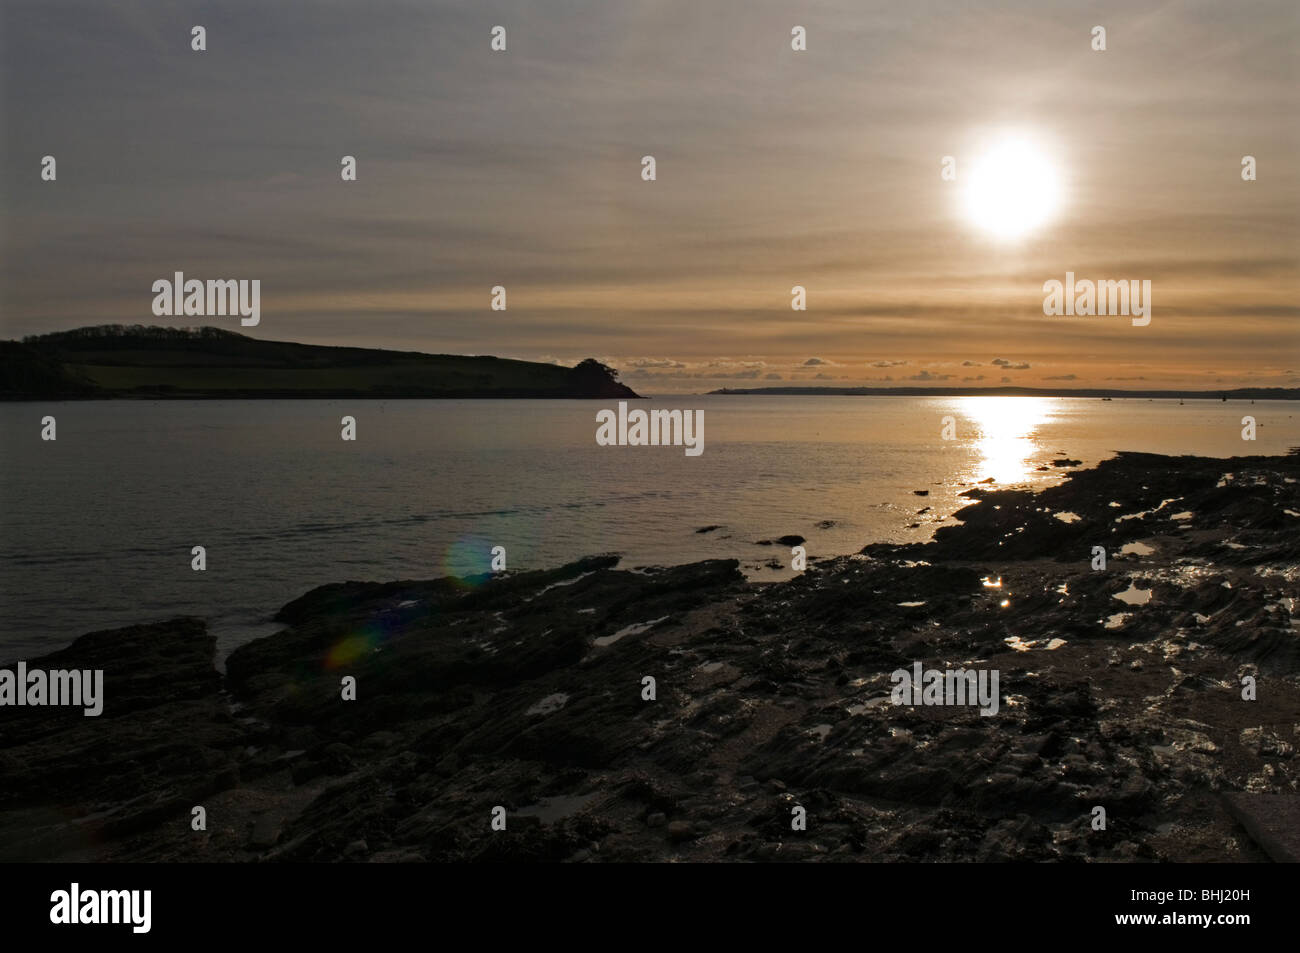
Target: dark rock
pixel 265 831
pixel 769 695
pixel 1272 820
pixel 679 831
pixel 163 743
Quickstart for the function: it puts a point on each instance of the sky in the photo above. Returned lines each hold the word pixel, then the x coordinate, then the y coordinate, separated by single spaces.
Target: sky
pixel 774 168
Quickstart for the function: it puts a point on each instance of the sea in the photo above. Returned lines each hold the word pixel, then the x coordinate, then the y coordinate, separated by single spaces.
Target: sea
pixel 98 526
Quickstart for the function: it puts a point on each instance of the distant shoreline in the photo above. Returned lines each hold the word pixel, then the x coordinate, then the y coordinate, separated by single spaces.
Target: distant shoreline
pixel 1240 393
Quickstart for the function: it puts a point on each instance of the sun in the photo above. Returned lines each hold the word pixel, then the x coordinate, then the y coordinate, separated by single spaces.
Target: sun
pixel 1012 189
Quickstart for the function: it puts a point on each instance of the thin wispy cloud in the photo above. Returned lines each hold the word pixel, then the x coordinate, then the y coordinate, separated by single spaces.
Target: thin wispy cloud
pixel 774 169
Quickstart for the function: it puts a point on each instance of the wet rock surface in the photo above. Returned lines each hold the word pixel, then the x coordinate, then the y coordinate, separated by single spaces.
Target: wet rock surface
pixel 165 741
pixel 1119 688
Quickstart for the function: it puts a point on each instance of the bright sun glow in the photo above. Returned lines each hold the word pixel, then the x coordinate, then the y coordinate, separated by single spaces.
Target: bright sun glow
pixel 1008 432
pixel 1011 190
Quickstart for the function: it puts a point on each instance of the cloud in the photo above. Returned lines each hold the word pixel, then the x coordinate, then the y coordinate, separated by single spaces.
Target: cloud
pixel 773 377
pixel 446 207
pixel 1018 367
pixel 927 376
pixel 1006 380
pixel 1063 377
pixel 999 362
pixel 813 362
pixel 653 362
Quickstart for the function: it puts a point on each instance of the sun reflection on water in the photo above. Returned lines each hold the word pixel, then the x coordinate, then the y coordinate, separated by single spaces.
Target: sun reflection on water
pixel 1007 434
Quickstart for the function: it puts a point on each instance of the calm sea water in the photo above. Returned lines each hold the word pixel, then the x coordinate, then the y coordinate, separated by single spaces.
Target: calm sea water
pixel 96 528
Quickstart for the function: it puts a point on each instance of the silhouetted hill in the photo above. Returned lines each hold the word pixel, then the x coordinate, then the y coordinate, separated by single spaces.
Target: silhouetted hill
pixel 138 361
pixel 26 371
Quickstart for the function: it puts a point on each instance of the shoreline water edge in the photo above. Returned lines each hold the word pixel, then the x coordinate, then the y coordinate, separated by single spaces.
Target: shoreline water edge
pixel 1104 669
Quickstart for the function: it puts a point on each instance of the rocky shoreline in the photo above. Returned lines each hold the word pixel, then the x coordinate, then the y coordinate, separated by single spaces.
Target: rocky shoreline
pixel 1120 687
